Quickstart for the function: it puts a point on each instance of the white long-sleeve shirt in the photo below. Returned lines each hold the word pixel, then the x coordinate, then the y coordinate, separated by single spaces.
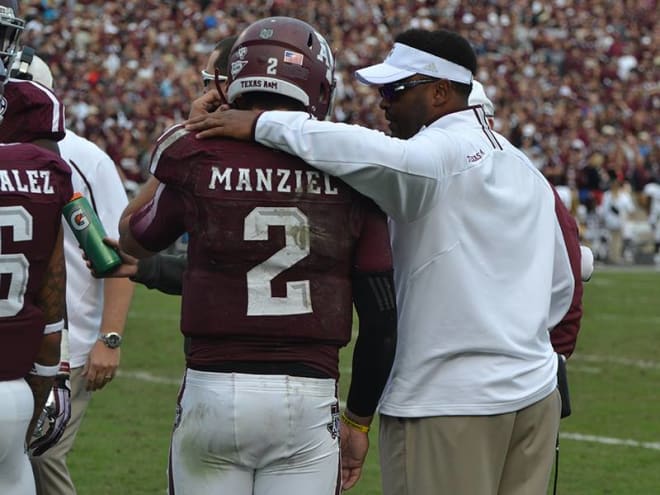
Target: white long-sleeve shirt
pixel 480 265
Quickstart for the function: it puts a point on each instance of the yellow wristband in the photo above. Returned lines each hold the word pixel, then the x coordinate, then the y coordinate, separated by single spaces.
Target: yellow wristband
pixel 353 424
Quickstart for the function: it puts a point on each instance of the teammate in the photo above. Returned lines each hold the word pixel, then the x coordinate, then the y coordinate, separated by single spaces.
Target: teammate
pixel 277 251
pixel 482 271
pixel 101 306
pixel 164 271
pixel 33 113
pixel 651 194
pixel 218 60
pixel 36 184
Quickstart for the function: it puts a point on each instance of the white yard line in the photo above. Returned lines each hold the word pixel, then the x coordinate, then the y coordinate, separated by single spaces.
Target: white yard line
pixel 145 376
pixel 636 363
pixel 579 437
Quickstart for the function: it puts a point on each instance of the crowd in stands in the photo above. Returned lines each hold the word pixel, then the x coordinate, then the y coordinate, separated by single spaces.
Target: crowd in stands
pixel 575 83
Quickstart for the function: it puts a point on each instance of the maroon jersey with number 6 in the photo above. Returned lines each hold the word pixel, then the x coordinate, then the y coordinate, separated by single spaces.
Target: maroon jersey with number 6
pixel 273 245
pixel 34 186
pixel 33 112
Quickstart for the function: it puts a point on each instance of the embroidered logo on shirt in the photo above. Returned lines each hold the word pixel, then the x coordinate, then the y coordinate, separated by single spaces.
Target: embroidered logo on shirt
pixel 476 157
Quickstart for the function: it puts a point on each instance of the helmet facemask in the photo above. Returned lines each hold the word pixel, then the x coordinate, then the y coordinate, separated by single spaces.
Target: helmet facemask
pixel 11 28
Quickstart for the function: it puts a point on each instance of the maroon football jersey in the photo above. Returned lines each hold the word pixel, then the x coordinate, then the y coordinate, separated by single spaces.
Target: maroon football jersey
pixel 33 112
pixel 273 243
pixel 34 186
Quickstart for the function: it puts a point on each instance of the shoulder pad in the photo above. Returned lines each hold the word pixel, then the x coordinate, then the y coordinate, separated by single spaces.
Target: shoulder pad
pixel 33 112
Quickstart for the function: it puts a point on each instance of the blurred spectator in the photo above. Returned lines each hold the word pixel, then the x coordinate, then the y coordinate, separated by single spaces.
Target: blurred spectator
pixel 577 83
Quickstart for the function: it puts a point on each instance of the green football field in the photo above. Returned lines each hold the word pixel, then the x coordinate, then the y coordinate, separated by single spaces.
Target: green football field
pixel 610 445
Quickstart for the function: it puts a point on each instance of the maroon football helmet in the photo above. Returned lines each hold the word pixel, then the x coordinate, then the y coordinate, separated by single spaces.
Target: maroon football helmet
pixel 285 56
pixel 11 27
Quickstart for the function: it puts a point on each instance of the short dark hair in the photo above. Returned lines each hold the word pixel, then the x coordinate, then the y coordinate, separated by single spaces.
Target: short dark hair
pixel 446 44
pixel 223 48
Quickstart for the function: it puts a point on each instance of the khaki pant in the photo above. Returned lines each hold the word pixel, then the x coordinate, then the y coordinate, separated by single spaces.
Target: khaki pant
pixel 506 454
pixel 50 470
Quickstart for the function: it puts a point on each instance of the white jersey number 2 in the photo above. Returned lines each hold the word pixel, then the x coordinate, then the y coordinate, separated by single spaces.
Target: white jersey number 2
pixel 296 233
pixel 17 265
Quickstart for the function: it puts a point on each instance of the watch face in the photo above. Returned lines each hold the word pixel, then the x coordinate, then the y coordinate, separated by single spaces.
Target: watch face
pixel 112 340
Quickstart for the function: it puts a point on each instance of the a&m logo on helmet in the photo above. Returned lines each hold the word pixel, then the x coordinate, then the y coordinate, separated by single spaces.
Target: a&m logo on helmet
pixel 266 33
pixel 79 220
pixel 325 56
pixel 237 66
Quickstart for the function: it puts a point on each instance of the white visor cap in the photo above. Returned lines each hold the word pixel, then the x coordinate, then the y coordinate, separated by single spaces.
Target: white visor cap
pixel 404 61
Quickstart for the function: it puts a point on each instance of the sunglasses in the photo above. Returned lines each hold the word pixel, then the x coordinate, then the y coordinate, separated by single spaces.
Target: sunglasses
pixel 207 78
pixel 389 91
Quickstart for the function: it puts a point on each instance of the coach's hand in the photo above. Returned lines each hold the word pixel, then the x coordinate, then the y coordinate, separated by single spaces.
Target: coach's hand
pixel 101 366
pixel 224 122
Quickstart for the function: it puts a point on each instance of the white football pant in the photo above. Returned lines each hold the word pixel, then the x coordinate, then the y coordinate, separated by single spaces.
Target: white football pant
pixel 15 414
pixel 244 434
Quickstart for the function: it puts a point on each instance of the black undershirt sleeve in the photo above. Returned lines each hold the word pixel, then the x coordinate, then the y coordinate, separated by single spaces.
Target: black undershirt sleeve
pixel 374 299
pixel 163 272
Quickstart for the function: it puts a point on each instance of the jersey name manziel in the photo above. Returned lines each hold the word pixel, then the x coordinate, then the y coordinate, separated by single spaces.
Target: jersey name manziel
pixel 272 249
pixel 268 180
pixel 34 185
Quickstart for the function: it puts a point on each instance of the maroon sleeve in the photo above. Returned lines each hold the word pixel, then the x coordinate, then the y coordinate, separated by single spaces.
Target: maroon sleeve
pixel 564 335
pixel 160 222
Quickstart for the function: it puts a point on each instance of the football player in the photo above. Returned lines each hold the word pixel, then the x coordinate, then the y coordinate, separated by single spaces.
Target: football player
pixel 36 184
pixel 278 253
pixel 94 329
pixel 33 114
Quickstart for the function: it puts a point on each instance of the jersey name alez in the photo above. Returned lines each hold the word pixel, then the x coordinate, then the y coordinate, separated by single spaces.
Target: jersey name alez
pixel 32 181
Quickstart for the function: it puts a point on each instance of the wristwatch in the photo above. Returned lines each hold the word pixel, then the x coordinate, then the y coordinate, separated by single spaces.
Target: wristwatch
pixel 111 339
